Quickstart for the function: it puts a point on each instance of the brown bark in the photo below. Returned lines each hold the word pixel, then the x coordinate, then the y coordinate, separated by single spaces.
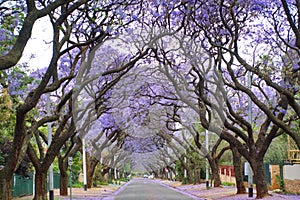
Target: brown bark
pixel 91 164
pixel 63 167
pixel 18 150
pixel 189 172
pixel 214 166
pixel 260 178
pixel 105 170
pixel 197 177
pixel 40 185
pixel 238 170
pixel 40 174
pixel 63 164
pixel 5 187
pixel 63 187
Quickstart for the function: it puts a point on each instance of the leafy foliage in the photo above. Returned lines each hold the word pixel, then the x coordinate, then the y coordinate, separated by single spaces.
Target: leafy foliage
pixel 277 151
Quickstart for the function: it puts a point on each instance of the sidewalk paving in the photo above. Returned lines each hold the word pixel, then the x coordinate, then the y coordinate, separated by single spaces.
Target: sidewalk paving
pixel 223 193
pixel 93 193
pixel 79 193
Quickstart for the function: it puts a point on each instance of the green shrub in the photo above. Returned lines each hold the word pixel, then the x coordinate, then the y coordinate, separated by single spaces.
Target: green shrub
pixel 280 181
pixel 101 183
pixel 77 185
pixel 184 181
pixel 228 184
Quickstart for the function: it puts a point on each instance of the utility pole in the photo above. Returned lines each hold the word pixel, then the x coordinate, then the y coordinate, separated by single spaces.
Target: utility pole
pixel 84 165
pixel 185 172
pixel 50 170
pixel 207 164
pixel 250 174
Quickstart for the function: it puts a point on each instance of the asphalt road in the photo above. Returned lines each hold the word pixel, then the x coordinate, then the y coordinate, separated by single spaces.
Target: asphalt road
pixel 145 189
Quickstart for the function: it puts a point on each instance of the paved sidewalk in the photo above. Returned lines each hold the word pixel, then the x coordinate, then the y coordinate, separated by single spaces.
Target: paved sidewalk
pixel 79 193
pixel 223 193
pixel 93 193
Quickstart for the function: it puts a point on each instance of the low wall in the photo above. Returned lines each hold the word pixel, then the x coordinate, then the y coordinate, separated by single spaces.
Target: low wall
pixel 275 177
pixel 227 174
pixel 228 179
pixel 291 174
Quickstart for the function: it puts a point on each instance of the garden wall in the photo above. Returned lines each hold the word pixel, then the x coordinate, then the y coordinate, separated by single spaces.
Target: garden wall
pixel 291 174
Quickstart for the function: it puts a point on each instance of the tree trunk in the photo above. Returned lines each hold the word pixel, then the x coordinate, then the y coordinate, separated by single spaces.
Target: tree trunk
pixel 260 178
pixel 40 186
pixel 214 165
pixel 197 177
pixel 104 173
pixel 63 181
pixel 189 176
pixel 63 187
pixel 216 175
pixel 16 154
pixel 238 170
pixel 91 166
pixel 5 187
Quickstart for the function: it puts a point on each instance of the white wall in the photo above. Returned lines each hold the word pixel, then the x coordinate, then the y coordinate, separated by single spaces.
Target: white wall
pixel 291 172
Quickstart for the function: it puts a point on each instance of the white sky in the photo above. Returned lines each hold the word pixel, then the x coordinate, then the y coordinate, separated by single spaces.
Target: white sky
pixel 38 51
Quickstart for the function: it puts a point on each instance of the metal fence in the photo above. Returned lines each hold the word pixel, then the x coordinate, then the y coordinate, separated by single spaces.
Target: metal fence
pixel 23 186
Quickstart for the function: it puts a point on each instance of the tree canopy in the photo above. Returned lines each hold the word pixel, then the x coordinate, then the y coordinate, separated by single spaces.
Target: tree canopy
pixel 136 77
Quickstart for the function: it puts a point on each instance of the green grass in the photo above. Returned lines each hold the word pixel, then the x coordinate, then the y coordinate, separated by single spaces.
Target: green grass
pixel 101 183
pixel 77 185
pixel 228 184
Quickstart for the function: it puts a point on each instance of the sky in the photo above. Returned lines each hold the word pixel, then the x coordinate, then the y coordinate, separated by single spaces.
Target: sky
pixel 38 51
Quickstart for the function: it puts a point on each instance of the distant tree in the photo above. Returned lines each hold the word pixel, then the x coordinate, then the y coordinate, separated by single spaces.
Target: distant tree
pixel 69 149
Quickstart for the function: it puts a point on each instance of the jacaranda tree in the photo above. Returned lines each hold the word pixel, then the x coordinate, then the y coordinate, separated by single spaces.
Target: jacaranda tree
pixel 230 65
pixel 76 25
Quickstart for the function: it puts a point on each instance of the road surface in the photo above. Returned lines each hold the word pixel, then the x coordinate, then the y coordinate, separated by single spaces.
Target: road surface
pixel 145 189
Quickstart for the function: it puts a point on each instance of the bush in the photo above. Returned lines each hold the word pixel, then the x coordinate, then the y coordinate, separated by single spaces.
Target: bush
pixel 78 185
pixel 280 181
pixel 184 181
pixel 228 184
pixel 124 179
pixel 101 183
